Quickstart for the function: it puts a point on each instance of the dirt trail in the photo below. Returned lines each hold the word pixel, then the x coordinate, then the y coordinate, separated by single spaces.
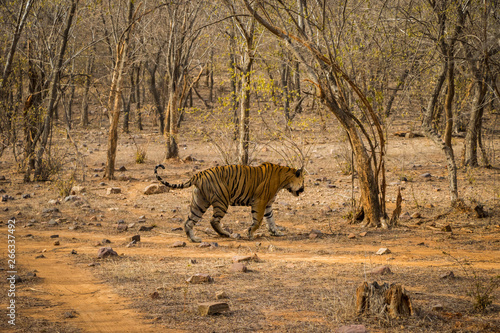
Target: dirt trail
pixel 70 287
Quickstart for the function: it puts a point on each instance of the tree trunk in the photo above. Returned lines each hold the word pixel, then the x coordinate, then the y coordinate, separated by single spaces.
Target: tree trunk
pixel 474 126
pixel 383 299
pixel 39 172
pixel 88 81
pixel 115 94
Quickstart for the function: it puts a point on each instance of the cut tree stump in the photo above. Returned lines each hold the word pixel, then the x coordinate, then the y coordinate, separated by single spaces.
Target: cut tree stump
pixel 212 308
pixel 377 299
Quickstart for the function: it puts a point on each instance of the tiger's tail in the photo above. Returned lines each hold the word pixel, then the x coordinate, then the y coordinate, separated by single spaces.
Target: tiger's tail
pixel 184 185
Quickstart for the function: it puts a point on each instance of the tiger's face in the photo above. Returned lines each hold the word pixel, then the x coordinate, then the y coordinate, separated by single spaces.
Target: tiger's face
pixel 296 185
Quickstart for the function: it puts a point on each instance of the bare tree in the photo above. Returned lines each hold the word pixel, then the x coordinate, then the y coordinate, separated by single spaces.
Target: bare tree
pixel 317 53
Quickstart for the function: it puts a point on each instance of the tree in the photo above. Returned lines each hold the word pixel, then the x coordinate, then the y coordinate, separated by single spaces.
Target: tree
pixel 116 89
pixel 318 54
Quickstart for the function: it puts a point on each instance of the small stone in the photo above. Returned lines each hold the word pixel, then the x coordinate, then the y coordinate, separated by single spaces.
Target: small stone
pixel 155 189
pixel 113 190
pixel 176 229
pixel 54 236
pixel 144 228
pixel 131 225
pixel 69 314
pixel 352 329
pixel 416 215
pixel 106 252
pixel 383 250
pixel 212 308
pixel 78 190
pixel 154 295
pixel 57 243
pixel 179 244
pixel 425 175
pixel 363 234
pixel 381 270
pixel 245 258
pixel 437 307
pixel 41 256
pixel 239 267
pixel 52 223
pixel 131 244
pixel 121 227
pixel 221 295
pixel 447 275
pixel 105 241
pixel 351 236
pixel 200 278
pixel 192 262
pixel 204 244
pixel 26 196
pixel 73 252
pixel 235 235
pixel 135 238
pixel 446 228
pixel 122 169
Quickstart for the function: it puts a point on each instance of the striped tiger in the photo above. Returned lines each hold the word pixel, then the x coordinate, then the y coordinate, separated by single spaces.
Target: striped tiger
pixel 238 185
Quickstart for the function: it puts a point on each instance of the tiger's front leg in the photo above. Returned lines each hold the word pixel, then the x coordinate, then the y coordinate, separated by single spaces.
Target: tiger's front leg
pixel 257 215
pixel 271 225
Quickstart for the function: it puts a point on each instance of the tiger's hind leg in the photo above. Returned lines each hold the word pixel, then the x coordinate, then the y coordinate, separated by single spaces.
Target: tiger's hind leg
pixel 271 225
pixel 219 213
pixel 198 207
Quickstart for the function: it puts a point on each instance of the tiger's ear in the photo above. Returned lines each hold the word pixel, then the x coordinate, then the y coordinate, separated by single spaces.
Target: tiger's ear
pixel 298 173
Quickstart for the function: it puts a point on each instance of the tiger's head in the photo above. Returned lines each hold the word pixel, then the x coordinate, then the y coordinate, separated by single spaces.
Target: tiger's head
pixel 296 185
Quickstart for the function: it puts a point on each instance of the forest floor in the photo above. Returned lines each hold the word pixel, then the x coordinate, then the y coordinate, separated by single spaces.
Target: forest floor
pixel 304 281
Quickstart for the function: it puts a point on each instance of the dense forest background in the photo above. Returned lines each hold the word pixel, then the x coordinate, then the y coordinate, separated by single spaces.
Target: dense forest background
pixel 130 66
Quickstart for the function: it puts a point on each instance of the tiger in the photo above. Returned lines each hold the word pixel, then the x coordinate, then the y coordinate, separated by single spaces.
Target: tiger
pixel 238 185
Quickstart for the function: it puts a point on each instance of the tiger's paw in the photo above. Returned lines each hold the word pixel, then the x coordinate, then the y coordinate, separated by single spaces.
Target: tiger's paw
pixel 276 233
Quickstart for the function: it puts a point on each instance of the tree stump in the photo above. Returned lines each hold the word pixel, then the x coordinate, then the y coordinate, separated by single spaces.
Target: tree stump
pixel 378 299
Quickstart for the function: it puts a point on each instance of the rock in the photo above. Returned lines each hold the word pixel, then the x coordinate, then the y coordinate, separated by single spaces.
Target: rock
pixel 246 258
pixel 363 234
pixel 447 275
pixel 41 256
pixel 144 228
pixel 352 329
pixel 123 178
pixel 221 295
pixel 131 225
pixel 177 229
pixel 381 270
pixel 235 235
pixel 437 307
pixel 425 175
pixel 122 169
pixel 179 244
pixel 200 278
pixel 121 227
pixel 383 250
pixel 69 314
pixel 154 295
pixel 113 190
pixel 52 210
pixel 26 196
pixel 72 198
pixel 315 234
pixel 74 252
pixel 204 244
pixel 135 238
pixel 105 241
pixel 446 228
pixel 57 243
pixel 54 236
pixel 351 236
pixel 238 267
pixel 409 135
pixel 480 212
pixel 131 244
pixel 78 190
pixel 212 308
pixel 105 252
pixel 155 189
pixel 416 215
pixel 52 222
